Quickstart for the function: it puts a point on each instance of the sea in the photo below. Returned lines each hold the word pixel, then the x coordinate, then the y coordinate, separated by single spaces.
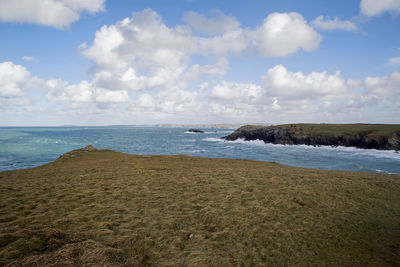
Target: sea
pixel 27 147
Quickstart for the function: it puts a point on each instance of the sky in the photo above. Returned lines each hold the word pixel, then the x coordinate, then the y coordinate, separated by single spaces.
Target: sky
pixel 103 62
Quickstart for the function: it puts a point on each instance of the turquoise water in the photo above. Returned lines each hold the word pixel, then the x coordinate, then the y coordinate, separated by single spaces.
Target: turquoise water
pixel 30 147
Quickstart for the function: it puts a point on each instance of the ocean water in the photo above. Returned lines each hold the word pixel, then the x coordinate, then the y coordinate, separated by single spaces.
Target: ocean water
pixel 22 147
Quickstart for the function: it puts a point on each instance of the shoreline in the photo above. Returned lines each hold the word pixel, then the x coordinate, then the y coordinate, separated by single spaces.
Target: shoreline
pixel 248 142
pixel 255 142
pixel 366 136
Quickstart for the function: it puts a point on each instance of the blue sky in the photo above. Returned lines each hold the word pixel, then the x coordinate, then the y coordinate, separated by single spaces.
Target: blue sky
pixel 97 62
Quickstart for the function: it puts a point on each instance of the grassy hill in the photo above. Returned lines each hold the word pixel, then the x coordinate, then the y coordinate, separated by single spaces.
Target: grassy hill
pixel 105 208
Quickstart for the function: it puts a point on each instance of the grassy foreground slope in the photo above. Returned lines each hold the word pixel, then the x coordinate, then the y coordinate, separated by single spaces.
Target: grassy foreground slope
pixel 105 208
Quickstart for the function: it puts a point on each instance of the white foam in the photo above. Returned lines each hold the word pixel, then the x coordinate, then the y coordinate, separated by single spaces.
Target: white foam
pixel 225 132
pixel 187 132
pixel 214 139
pixel 382 171
pixel 392 154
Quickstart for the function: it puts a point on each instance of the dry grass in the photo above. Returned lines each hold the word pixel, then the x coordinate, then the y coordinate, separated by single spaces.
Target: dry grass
pixel 105 208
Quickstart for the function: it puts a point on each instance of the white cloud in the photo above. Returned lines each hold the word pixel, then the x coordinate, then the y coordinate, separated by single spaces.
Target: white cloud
pixel 142 53
pixel 29 58
pixel 394 60
pixel 111 97
pixel 333 24
pixel 55 13
pixel 237 100
pixel 179 101
pixel 352 83
pixel 378 7
pixel 279 82
pixel 218 23
pixel 14 79
pixel 283 96
pixel 242 92
pixel 282 34
pixel 230 42
pixel 92 6
pixel 83 94
pixel 78 93
pixel 146 101
pixel 384 86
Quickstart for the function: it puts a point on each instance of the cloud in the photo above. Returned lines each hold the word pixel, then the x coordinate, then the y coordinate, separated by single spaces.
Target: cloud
pixel 83 94
pixel 146 102
pixel 354 83
pixel 333 24
pixel 218 23
pixel 153 62
pixel 375 8
pixel 141 66
pixel 230 42
pixel 284 94
pixel 394 61
pixel 29 58
pixel 281 83
pixel 232 91
pixel 142 53
pixel 282 34
pixel 387 86
pixel 14 79
pixel 179 102
pixel 55 13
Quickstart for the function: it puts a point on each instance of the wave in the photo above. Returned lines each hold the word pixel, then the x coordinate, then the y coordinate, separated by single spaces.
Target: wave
pixel 189 140
pixel 228 132
pixel 382 171
pixel 214 139
pixel 392 154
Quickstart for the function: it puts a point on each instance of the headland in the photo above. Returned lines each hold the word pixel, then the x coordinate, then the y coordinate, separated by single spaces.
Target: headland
pixel 104 208
pixel 368 136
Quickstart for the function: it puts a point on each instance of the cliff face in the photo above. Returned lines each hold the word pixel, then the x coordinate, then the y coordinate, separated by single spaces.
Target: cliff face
pixel 294 134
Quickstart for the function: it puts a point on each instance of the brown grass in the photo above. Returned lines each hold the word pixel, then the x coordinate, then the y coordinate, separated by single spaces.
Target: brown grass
pixel 105 208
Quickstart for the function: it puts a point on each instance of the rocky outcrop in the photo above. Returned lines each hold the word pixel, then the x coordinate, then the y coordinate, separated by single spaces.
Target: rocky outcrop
pixel 195 131
pixel 287 136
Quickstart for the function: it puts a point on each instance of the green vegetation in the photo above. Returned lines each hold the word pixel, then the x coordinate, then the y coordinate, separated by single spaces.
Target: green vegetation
pixel 105 208
pixel 372 130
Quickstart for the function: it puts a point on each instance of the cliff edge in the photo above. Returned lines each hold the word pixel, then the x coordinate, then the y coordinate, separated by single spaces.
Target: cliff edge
pixel 368 136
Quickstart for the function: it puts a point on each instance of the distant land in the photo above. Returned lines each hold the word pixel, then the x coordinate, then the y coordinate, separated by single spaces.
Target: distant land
pixel 193 125
pixel 369 136
pixel 104 208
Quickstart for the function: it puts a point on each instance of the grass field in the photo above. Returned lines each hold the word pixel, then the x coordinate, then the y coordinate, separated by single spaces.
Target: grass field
pixel 105 208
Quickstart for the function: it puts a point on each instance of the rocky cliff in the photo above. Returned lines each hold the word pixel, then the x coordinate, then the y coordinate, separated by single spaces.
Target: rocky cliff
pixel 370 136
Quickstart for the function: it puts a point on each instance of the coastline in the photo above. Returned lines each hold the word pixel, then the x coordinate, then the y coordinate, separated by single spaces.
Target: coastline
pixel 366 136
pixel 25 148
